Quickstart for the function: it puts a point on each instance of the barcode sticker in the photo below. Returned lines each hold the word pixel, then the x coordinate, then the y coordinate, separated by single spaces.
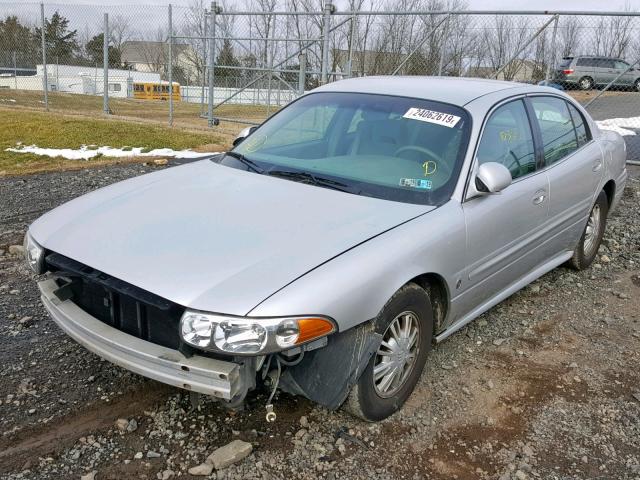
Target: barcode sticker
pixel 431 116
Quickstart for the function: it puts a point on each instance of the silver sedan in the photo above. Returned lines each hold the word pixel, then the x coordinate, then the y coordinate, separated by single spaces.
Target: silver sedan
pixel 328 251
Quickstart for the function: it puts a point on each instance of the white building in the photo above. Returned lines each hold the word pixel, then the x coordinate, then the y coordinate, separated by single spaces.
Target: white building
pixel 77 79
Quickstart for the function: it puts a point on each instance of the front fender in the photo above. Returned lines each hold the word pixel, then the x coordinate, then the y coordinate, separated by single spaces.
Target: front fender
pixel 353 287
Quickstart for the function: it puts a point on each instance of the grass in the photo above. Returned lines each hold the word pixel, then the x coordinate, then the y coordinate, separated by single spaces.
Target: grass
pixel 185 114
pixel 56 130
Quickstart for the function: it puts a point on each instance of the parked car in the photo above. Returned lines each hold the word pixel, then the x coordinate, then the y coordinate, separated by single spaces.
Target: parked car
pixel 587 72
pixel 334 244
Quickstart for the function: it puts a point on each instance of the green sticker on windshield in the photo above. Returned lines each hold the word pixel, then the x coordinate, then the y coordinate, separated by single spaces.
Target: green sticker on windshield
pixel 416 183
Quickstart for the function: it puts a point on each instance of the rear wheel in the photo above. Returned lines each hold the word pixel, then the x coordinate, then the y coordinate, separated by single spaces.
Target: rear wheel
pixel 636 85
pixel 585 83
pixel 406 326
pixel 589 243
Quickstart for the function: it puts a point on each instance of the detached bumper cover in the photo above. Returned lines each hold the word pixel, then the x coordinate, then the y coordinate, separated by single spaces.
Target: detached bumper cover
pixel 199 374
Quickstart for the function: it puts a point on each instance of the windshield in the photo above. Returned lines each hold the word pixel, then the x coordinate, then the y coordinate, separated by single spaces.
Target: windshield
pixel 394 148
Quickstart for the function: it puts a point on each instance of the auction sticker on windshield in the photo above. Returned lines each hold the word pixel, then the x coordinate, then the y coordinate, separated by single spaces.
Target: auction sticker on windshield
pixel 431 116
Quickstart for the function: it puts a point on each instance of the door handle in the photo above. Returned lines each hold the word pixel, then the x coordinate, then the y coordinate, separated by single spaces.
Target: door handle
pixel 538 199
pixel 597 166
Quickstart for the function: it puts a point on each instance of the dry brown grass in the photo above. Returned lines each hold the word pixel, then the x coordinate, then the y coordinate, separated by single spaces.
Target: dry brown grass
pixel 186 115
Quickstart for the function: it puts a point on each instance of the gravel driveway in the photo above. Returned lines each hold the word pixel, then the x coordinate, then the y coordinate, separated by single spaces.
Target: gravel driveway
pixel 544 386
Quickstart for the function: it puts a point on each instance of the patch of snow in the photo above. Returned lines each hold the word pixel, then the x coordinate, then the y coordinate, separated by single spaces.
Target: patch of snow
pixel 86 152
pixel 10 100
pixel 619 124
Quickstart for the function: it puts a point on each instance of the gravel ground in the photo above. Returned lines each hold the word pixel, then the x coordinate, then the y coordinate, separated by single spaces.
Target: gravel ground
pixel 544 386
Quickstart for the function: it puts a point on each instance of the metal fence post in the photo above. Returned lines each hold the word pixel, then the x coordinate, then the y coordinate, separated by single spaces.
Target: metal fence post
pixel 15 71
pixel 170 73
pixel 203 75
pixel 45 81
pixel 352 36
pixel 105 66
pixel 443 46
pixel 212 60
pixel 328 10
pixel 553 50
pixel 302 60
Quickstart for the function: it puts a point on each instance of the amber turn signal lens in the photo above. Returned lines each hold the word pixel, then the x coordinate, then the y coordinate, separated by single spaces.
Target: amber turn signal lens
pixel 311 328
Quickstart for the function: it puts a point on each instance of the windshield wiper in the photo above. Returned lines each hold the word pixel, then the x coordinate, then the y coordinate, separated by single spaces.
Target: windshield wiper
pixel 305 177
pixel 253 166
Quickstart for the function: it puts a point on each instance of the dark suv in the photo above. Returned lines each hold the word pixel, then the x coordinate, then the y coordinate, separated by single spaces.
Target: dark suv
pixel 587 72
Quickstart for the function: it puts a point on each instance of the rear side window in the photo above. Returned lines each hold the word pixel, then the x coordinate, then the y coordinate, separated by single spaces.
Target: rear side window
pixel 585 62
pixel 582 132
pixel 507 139
pixel 604 63
pixel 556 126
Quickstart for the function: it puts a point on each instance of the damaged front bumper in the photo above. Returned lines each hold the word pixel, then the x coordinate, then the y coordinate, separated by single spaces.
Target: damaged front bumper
pixel 221 379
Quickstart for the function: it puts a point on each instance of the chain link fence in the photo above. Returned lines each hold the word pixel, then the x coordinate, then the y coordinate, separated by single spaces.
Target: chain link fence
pixel 208 65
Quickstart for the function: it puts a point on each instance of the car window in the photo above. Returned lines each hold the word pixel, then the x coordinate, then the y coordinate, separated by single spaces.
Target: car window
pixel 507 139
pixel 311 125
pixel 391 147
pixel 585 62
pixel 620 65
pixel 582 132
pixel 556 127
pixel 566 61
pixel 604 63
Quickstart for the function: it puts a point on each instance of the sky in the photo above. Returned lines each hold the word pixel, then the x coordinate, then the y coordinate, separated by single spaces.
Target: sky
pixel 595 5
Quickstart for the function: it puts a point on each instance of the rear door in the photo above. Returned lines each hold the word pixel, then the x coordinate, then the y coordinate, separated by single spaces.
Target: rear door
pixel 623 70
pixel 574 165
pixel 604 71
pixel 583 68
pixel 503 229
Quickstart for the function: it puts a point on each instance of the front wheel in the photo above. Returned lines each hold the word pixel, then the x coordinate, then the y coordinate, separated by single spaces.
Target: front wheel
pixel 587 248
pixel 406 326
pixel 636 85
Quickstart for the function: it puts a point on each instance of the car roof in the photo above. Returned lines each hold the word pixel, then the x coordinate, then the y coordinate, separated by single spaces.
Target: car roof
pixel 453 90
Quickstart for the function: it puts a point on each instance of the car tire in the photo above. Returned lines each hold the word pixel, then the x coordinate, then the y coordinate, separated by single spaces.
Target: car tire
pixel 587 248
pixel 636 85
pixel 409 308
pixel 585 83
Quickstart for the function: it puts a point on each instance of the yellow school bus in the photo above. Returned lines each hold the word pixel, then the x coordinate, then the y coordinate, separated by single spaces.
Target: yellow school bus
pixel 155 90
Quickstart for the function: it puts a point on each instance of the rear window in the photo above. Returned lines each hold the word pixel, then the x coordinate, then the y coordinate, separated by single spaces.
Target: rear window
pixel 565 62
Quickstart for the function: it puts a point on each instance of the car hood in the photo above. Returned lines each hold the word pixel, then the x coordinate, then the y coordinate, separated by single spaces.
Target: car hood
pixel 211 237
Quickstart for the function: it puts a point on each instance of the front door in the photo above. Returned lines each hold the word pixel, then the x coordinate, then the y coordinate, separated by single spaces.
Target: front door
pixel 503 229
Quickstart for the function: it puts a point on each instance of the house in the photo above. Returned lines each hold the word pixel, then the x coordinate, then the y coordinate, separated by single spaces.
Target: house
pixel 368 62
pixel 526 71
pixel 147 56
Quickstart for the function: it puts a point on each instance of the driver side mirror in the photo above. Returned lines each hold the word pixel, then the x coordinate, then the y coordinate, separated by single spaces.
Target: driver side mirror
pixel 244 133
pixel 492 177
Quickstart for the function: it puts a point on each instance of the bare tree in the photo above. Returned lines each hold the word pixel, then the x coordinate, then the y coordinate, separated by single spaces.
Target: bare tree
pixel 569 29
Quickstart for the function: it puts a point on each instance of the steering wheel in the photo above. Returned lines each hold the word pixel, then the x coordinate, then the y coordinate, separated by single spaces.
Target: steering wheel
pixel 442 165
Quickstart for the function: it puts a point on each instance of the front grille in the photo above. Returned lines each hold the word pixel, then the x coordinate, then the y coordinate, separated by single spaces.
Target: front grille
pixel 117 303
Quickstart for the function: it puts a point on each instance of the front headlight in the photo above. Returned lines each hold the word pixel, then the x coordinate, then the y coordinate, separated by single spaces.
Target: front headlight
pixel 34 254
pixel 250 336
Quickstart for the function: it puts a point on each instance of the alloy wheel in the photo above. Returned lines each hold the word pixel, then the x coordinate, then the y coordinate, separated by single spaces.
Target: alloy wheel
pixel 592 231
pixel 395 358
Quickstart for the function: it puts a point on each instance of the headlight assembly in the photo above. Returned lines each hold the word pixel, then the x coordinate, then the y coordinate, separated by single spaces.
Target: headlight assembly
pixel 250 336
pixel 34 254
